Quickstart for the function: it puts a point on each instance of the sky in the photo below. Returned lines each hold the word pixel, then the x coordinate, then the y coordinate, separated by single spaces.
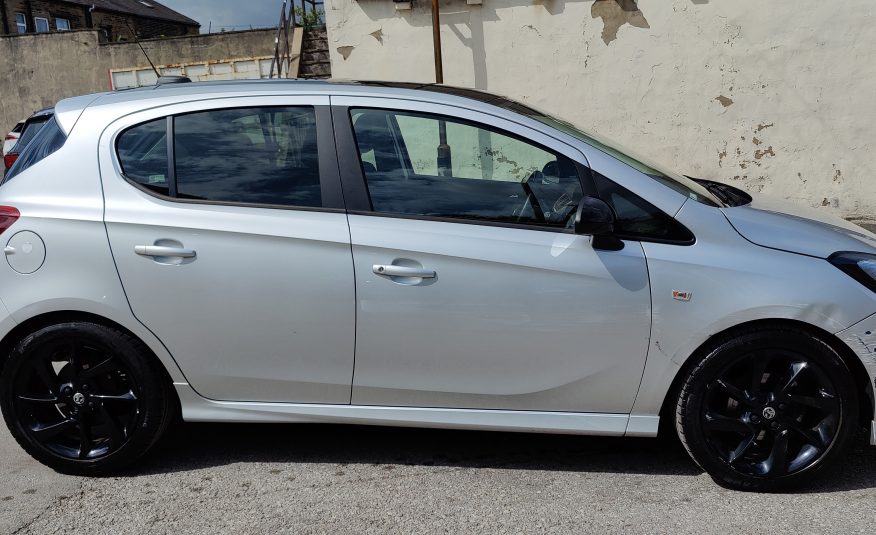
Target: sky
pixel 229 14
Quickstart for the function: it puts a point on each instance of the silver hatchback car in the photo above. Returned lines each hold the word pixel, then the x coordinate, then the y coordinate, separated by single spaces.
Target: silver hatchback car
pixel 414 255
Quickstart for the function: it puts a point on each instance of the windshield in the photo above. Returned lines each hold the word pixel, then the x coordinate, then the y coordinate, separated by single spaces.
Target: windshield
pixel 679 183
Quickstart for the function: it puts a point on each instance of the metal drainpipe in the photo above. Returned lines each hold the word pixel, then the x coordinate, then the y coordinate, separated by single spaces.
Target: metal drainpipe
pixel 30 24
pixel 445 163
pixel 436 42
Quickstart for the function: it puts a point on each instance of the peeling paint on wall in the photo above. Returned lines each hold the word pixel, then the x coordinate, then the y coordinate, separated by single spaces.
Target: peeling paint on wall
pixel 616 13
pixel 758 154
pixel 345 51
pixel 377 35
pixel 657 89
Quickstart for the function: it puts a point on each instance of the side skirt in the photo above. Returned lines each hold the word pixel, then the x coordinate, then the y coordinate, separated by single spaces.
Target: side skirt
pixel 198 409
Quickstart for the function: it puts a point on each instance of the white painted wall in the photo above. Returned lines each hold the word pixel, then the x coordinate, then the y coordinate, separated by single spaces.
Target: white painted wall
pixel 777 96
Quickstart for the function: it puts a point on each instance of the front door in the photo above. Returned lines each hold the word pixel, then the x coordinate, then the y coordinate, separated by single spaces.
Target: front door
pixel 238 256
pixel 472 290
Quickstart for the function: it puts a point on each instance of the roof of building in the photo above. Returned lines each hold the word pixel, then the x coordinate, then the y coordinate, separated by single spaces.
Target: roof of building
pixel 140 8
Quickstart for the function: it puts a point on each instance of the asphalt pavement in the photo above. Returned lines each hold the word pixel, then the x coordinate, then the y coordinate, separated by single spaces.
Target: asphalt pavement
pixel 272 479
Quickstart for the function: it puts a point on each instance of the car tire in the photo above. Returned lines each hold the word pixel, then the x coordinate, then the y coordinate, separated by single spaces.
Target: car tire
pixel 767 409
pixel 84 398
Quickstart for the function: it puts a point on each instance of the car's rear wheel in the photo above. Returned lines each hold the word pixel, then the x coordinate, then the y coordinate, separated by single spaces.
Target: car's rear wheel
pixel 84 398
pixel 767 409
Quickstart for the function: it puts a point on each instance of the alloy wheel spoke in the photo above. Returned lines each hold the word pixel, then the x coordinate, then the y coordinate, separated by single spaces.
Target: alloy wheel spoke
pixel 97 369
pixel 825 403
pixel 44 432
pixel 39 400
pixel 812 437
pixel 734 392
pixel 791 376
pixel 127 396
pixel 777 462
pixel 825 431
pixel 117 432
pixel 718 422
pixel 742 449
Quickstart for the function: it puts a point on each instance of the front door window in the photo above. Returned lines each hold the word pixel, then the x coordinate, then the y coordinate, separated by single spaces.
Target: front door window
pixel 427 165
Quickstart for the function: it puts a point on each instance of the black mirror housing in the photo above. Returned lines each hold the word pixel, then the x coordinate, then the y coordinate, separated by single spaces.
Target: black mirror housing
pixel 594 217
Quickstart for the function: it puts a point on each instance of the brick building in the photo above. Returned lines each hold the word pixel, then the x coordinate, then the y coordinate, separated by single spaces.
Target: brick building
pixel 114 18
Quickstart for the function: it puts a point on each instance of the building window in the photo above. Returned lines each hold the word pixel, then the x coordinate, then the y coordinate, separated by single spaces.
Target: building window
pixel 21 22
pixel 62 24
pixel 41 24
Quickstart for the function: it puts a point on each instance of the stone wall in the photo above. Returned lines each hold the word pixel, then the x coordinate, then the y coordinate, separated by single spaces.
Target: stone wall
pixel 777 97
pixel 41 69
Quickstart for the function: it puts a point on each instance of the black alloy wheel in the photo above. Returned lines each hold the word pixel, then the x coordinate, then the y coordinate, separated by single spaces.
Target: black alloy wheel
pixel 767 409
pixel 83 398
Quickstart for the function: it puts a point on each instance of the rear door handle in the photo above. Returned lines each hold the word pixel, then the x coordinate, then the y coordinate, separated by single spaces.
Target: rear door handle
pixel 403 271
pixel 162 250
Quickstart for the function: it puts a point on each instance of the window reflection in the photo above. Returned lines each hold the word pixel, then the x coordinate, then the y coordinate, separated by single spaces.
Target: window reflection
pixel 492 176
pixel 252 155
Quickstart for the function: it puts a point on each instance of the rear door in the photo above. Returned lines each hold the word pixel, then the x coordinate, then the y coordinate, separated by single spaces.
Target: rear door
pixel 238 256
pixel 472 289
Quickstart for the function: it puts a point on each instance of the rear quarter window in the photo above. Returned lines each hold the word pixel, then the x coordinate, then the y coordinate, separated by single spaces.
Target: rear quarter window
pixel 47 140
pixel 143 155
pixel 29 131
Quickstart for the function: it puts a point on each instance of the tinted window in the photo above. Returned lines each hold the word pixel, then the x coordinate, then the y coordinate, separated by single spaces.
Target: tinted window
pixel 248 155
pixel 49 139
pixel 143 154
pixel 427 165
pixel 636 217
pixel 29 131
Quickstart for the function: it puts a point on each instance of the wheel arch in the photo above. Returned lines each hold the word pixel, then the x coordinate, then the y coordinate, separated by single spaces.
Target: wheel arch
pixel 32 324
pixel 867 396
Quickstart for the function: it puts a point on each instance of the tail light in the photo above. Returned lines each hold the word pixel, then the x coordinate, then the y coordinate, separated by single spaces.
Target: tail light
pixel 8 216
pixel 9 159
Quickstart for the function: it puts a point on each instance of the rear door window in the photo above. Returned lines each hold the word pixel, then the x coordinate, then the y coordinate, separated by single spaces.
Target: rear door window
pixel 263 156
pixel 248 155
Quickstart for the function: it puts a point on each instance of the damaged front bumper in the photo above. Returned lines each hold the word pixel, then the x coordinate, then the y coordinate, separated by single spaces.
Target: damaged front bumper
pixel 861 338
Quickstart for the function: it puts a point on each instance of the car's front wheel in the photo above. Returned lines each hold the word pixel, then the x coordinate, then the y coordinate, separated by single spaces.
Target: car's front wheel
pixel 84 398
pixel 767 409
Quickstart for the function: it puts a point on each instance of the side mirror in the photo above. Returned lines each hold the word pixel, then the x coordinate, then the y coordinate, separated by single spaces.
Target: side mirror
pixel 594 217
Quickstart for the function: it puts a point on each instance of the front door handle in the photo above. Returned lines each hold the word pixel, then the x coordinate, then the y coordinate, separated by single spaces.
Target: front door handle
pixel 390 270
pixel 162 250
